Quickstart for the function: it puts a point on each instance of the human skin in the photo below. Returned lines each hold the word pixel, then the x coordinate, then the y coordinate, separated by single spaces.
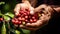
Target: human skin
pixel 46 16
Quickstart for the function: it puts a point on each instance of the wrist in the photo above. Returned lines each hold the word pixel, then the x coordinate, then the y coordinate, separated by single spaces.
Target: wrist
pixel 57 9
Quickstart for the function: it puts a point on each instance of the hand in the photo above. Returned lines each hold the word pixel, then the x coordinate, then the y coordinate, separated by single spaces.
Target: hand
pixel 24 5
pixel 57 9
pixel 20 6
pixel 47 13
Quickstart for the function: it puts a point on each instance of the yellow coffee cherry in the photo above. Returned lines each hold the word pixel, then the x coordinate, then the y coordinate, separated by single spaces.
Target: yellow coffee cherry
pixel 23 23
pixel 39 14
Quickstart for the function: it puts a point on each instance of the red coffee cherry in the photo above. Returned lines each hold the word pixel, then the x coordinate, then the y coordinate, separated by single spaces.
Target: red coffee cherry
pixel 31 21
pixel 1 19
pixel 26 17
pixel 19 18
pixel 35 20
pixel 23 18
pixel 19 22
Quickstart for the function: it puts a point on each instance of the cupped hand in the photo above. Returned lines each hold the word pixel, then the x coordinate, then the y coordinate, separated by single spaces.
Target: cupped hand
pixel 43 20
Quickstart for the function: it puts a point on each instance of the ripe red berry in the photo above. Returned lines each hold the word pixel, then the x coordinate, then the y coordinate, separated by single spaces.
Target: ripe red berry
pixel 1 19
pixel 26 16
pixel 19 22
pixel 23 18
pixel 35 20
pixel 16 22
pixel 31 20
pixel 19 18
pixel 33 17
pixel 26 21
pixel 13 20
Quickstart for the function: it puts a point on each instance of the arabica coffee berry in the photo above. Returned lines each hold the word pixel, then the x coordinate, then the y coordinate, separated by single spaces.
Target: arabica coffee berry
pixel 1 19
pixel 24 17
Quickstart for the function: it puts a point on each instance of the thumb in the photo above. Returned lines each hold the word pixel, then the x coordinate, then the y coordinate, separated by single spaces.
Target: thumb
pixel 31 10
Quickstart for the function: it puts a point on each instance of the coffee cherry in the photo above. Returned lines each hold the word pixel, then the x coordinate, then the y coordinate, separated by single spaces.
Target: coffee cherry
pixel 19 18
pixel 35 20
pixel 25 14
pixel 16 21
pixel 27 21
pixel 1 19
pixel 33 17
pixel 19 22
pixel 13 20
pixel 26 17
pixel 23 18
pixel 31 20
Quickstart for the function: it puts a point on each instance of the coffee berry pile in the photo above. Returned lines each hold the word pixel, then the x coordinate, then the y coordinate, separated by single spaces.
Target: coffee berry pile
pixel 24 17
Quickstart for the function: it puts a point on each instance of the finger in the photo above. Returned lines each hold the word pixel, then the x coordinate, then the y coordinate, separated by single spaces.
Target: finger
pixel 32 29
pixel 26 2
pixel 17 8
pixel 57 9
pixel 41 7
pixel 24 27
pixel 24 5
pixel 37 24
pixel 28 28
pixel 30 24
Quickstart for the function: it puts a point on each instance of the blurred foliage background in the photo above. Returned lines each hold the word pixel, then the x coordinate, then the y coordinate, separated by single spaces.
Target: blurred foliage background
pixel 6 12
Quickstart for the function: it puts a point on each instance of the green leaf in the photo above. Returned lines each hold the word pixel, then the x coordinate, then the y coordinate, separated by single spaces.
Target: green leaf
pixel 3 30
pixel 26 31
pixel 6 18
pixel 10 14
pixel 17 32
pixel 0 13
pixel 6 7
pixel 2 3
